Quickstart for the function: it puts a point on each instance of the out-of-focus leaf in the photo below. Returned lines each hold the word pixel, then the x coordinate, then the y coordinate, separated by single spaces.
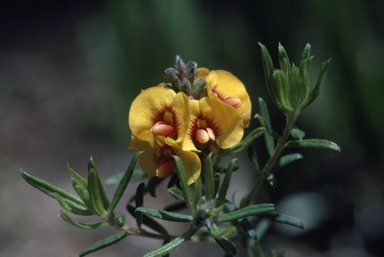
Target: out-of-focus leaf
pixel 137 175
pixel 52 190
pixel 252 136
pixel 123 183
pixel 246 211
pixel 226 245
pixel 256 249
pixel 152 184
pixel 253 158
pixel 197 191
pixel 283 218
pixel 139 202
pixel 104 243
pixel 81 225
pixel 172 244
pixel 225 185
pixel 175 207
pixel 314 143
pixel 287 159
pixel 297 133
pixel 165 215
pixel 149 222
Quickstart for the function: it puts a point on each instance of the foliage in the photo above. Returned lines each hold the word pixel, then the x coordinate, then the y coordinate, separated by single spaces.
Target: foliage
pixel 181 129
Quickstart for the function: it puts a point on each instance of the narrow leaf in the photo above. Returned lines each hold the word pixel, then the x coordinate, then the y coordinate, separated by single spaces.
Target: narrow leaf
pixel 104 243
pixel 165 215
pixel 139 202
pixel 283 218
pixel 149 222
pixel 253 158
pixel 267 62
pixel 123 183
pixel 225 185
pixel 176 193
pixel 314 143
pixel 287 159
pixel 95 193
pixel 137 175
pixel 250 138
pixel 83 193
pixel 102 193
pixel 52 190
pixel 246 211
pixel 76 177
pixel 269 143
pixel 68 206
pixel 226 245
pixel 81 225
pixel 183 181
pixel 172 244
pixel 209 184
pixel 197 191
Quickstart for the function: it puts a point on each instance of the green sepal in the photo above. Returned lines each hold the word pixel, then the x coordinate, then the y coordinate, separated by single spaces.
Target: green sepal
pixel 252 136
pixel 184 184
pixel 95 193
pixel 102 193
pixel 123 183
pixel 246 211
pixel 77 177
pixel 284 62
pixel 104 243
pixel 209 183
pixel 287 159
pixel 314 143
pixel 82 193
pixel 176 193
pixel 72 208
pixel 281 89
pixel 165 215
pixel 149 222
pixel 139 201
pixel 317 89
pixel 226 245
pixel 81 225
pixel 165 249
pixel 52 191
pixel 269 142
pixel 283 218
pixel 225 185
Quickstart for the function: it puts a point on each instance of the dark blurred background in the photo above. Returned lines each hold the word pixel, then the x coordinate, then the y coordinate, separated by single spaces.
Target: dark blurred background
pixel 69 71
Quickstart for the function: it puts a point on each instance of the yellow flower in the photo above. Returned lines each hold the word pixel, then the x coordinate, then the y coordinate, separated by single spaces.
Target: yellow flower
pixel 157 160
pixel 160 111
pixel 212 121
pixel 229 89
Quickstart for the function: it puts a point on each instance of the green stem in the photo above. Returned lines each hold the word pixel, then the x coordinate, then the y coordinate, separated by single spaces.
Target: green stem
pixel 267 169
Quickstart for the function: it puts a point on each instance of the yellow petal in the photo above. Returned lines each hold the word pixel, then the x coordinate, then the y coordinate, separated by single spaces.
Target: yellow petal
pixel 228 88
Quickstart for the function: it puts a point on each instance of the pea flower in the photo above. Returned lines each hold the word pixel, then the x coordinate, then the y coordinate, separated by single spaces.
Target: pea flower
pixel 157 160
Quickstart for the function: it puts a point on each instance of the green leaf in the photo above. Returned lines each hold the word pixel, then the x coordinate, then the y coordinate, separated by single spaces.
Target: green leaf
pixel 297 133
pixel 76 177
pixel 95 193
pixel 152 184
pixel 317 89
pixel 306 52
pixel 244 223
pixel 267 63
pixel 149 222
pixel 283 218
pixel 256 249
pixel 83 193
pixel 86 226
pixel 284 60
pixel 197 191
pixel 123 183
pixel 250 138
pixel 165 215
pixel 103 195
pixel 176 193
pixel 314 143
pixel 139 202
pixel 52 190
pixel 104 243
pixel 253 158
pixel 68 206
pixel 183 181
pixel 269 143
pixel 282 97
pixel 137 175
pixel 246 211
pixel 226 245
pixel 172 244
pixel 209 183
pixel 225 185
pixel 287 159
